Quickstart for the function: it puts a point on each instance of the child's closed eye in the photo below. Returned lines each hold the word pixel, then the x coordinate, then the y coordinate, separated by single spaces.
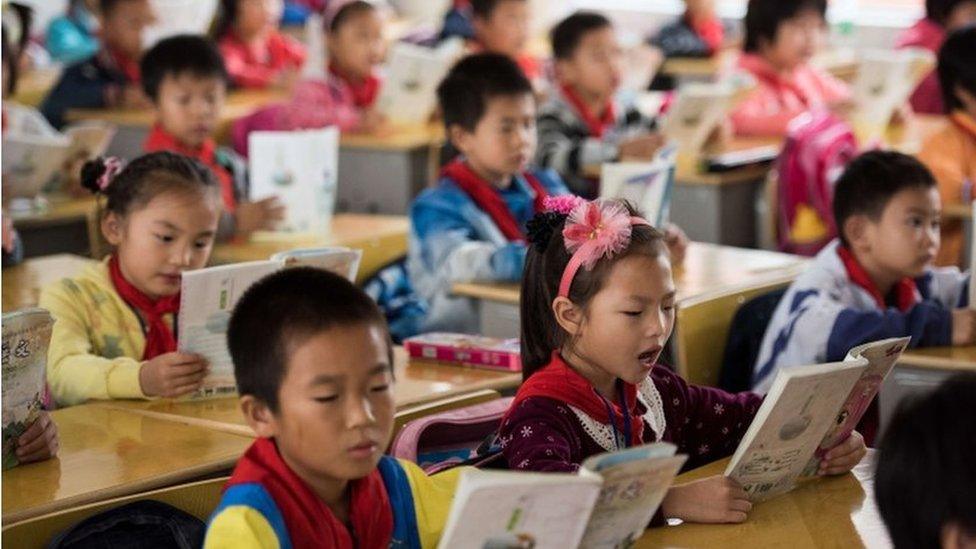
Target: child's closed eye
pixel 165 238
pixel 380 388
pixel 326 399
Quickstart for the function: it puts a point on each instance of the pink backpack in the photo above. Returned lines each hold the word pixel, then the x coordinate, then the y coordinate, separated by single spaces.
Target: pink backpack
pixel 818 147
pixel 441 441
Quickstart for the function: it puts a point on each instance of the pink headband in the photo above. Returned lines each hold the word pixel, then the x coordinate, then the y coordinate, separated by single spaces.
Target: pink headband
pixel 112 168
pixel 593 230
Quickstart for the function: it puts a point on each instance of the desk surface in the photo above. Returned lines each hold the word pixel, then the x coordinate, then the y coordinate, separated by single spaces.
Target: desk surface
pixel 22 283
pixel 396 138
pixel 239 103
pixel 108 453
pixel 707 268
pixel 59 210
pixel 826 512
pixel 842 63
pixel 962 359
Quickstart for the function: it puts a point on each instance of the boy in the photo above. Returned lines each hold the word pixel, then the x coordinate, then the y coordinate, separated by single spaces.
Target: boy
pixel 184 77
pixel 876 280
pixel 471 226
pixel 582 126
pixel 502 26
pixel 110 78
pixel 314 368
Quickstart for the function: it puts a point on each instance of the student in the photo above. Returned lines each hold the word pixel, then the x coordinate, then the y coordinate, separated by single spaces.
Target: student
pixel 457 21
pixel 471 225
pixel 875 281
pixel 582 125
pixel 697 33
pixel 941 17
pixel 184 78
pixel 597 308
pixel 256 54
pixel 110 78
pixel 925 478
pixel 314 368
pixel 781 37
pixel 114 334
pixel 71 37
pixel 502 26
pixel 951 152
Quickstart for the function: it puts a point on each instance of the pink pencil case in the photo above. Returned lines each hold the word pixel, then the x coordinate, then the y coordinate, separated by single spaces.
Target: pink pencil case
pixel 469 350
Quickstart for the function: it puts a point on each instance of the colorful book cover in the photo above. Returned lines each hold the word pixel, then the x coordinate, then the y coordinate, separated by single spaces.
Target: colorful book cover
pixel 26 337
pixel 469 350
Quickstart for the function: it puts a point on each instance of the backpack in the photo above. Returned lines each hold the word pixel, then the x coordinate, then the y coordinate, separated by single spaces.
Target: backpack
pixel 144 524
pixel 818 148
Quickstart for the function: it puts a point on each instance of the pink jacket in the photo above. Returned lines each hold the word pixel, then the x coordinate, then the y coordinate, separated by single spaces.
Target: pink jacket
pixel 250 67
pixel 778 99
pixel 929 35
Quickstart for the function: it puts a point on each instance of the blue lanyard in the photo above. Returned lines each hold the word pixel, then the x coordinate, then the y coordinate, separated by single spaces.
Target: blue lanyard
pixel 628 432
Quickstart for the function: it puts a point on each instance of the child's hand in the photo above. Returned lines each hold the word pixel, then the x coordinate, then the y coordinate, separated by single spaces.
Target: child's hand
pixel 963 327
pixel 372 121
pixel 134 98
pixel 261 215
pixel 640 148
pixel 39 441
pixel 714 499
pixel 843 457
pixel 172 374
pixel 677 242
pixel 9 235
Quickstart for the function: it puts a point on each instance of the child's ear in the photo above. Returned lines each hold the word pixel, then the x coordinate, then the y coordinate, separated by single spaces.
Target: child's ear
pixel 568 315
pixel 856 230
pixel 460 138
pixel 259 416
pixel 112 228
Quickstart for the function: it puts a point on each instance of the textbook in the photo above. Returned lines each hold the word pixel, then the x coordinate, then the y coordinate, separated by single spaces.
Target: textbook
pixel 806 408
pixel 412 73
pixel 301 169
pixel 699 109
pixel 208 296
pixel 26 337
pixel 646 185
pixel 466 349
pixel 608 504
pixel 885 80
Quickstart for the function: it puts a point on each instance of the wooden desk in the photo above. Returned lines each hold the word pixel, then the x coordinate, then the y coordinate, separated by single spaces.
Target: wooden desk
pixel 22 283
pixel 59 227
pixel 842 63
pixel 383 239
pixel 416 383
pixel 108 453
pixel 825 512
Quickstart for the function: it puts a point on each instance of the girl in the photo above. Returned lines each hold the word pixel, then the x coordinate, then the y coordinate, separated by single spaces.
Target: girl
pixel 781 37
pixel 114 330
pixel 257 55
pixel 597 309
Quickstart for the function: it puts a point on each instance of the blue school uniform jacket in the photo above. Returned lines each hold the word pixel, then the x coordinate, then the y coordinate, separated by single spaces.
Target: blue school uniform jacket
pixel 82 86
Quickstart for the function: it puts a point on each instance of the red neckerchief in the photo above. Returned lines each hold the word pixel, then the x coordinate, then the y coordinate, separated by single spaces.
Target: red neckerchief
pixel 161 140
pixel 906 293
pixel 309 520
pixel 124 64
pixel 761 69
pixel 159 339
pixel 709 29
pixel 558 381
pixel 964 122
pixel 597 126
pixel 364 93
pixel 487 198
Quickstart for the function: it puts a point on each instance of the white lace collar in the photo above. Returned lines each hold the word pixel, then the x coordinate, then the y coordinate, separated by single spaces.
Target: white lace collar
pixel 602 433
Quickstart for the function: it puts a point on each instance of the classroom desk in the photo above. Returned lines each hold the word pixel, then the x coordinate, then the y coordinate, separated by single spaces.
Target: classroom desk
pixel 826 512
pixel 707 268
pixel 416 383
pixel 919 371
pixel 842 63
pixel 22 283
pixel 383 239
pixel 108 453
pixel 59 227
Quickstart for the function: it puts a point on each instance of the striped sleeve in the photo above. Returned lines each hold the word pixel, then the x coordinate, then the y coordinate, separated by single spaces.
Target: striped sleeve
pixel 247 517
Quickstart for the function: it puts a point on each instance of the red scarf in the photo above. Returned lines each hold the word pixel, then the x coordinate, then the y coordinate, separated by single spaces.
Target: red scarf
pixel 487 198
pixel 906 293
pixel 709 29
pixel 558 381
pixel 124 64
pixel 364 92
pixel 161 140
pixel 309 520
pixel 964 122
pixel 159 338
pixel 597 126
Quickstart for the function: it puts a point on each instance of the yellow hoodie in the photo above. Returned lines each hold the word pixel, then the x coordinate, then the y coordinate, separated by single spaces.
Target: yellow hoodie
pixel 97 342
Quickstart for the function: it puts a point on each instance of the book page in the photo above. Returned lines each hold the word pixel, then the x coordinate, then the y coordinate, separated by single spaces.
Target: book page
pixel 885 79
pixel 698 109
pixel 26 338
pixel 89 139
pixel 796 414
pixel 207 299
pixel 409 92
pixel 646 185
pixel 33 153
pixel 342 261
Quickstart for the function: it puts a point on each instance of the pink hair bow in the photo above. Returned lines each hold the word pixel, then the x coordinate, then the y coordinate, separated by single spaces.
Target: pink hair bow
pixel 112 168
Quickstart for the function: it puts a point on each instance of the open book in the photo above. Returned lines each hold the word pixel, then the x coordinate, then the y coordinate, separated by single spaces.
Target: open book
pixel 208 297
pixel 301 169
pixel 26 337
pixel 647 185
pixel 699 109
pixel 885 80
pixel 607 505
pixel 409 92
pixel 808 407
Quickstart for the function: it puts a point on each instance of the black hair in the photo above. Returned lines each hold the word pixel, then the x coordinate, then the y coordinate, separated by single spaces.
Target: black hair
pixel 464 93
pixel 871 180
pixel 940 10
pixel 568 33
pixel 545 261
pixel 181 54
pixel 763 18
pixel 12 52
pixel 926 469
pixel 957 66
pixel 281 311
pixel 482 9
pixel 226 14
pixel 145 178
pixel 347 12
pixel 105 7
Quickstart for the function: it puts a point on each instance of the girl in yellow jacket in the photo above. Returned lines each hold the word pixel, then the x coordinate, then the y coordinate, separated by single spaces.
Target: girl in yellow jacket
pixel 114 330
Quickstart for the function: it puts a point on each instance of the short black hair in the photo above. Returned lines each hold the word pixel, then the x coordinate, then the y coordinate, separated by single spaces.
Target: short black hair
pixel 464 93
pixel 347 12
pixel 871 180
pixel 286 308
pixel 11 52
pixel 957 66
pixel 482 9
pixel 925 473
pixel 182 54
pixel 568 33
pixel 105 7
pixel 940 10
pixel 763 18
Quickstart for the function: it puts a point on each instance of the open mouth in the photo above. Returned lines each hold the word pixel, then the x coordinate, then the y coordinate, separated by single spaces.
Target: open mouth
pixel 648 357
